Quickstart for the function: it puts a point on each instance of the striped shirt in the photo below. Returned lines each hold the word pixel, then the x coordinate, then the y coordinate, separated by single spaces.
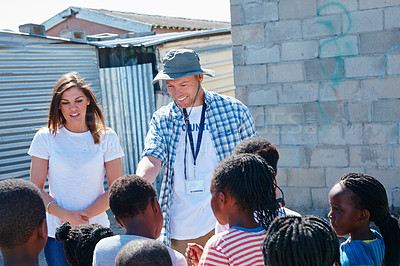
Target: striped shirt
pixel 238 246
pixel 229 121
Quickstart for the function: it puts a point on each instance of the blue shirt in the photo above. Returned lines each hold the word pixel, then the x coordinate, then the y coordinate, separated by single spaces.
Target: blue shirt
pixel 229 121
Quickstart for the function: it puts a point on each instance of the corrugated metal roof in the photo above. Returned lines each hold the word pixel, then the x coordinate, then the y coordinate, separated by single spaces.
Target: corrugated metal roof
pixel 158 38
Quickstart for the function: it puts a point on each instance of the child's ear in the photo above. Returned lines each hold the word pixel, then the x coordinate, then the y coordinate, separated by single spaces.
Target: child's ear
pixel 154 205
pixel 119 221
pixel 364 216
pixel 42 232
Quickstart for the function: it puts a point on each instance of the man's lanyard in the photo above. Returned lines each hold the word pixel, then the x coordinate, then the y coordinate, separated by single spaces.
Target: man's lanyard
pixel 195 153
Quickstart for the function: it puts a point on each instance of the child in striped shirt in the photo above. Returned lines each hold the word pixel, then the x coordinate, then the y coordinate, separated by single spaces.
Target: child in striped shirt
pixel 243 196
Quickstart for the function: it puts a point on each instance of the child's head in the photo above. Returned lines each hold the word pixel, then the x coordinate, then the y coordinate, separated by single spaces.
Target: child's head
pixel 300 241
pixel 80 241
pixel 131 197
pixel 356 200
pixel 22 216
pixel 249 181
pixel 143 252
pixel 260 146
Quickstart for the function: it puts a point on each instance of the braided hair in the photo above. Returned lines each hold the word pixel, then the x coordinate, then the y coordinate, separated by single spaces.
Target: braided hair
pixel 250 181
pixel 80 241
pixel 371 195
pixel 300 241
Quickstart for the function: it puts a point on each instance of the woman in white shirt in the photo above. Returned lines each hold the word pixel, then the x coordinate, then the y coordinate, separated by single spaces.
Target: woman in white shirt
pixel 74 152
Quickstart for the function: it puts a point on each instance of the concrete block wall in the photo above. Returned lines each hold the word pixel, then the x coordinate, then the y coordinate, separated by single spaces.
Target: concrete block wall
pixel 321 79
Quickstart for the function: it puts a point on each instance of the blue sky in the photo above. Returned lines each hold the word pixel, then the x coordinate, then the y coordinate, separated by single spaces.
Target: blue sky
pixel 18 12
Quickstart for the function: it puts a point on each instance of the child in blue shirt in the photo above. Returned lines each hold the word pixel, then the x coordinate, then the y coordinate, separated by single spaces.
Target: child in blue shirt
pixel 355 201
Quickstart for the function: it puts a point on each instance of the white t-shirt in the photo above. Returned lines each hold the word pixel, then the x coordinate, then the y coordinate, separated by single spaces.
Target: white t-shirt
pixel 76 169
pixel 191 215
pixel 107 249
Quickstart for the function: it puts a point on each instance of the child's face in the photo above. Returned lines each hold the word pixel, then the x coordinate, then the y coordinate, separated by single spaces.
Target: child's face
pixel 344 216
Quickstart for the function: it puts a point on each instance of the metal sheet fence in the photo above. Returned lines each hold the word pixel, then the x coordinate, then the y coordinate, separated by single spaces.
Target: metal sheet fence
pixel 128 104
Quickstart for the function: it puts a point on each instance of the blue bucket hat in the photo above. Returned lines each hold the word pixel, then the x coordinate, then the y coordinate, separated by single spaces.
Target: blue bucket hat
pixel 181 63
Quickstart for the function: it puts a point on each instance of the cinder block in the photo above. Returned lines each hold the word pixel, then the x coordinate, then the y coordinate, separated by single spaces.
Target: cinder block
pixel 297 8
pixel 394 155
pixel 262 54
pixel 306 177
pixel 261 12
pixel 258 115
pixel 393 64
pixel 247 33
pixel 386 111
pixel 281 178
pixel 330 156
pixel 238 55
pixel 369 156
pixel 333 175
pixel 293 156
pixel 342 46
pixel 372 89
pixel 297 197
pixel 325 69
pixel 321 26
pixel 291 114
pixel 364 21
pixel 392 15
pixel 299 92
pixel 385 88
pixel 359 112
pixel 299 50
pixel 250 75
pixel 382 133
pixel 325 112
pixel 341 6
pixel 346 90
pixel 263 95
pixel 297 135
pixel 241 94
pixel 340 134
pixel 286 72
pixel 369 4
pixel 378 42
pixel 237 17
pixel 320 197
pixel 272 133
pixel 389 177
pixel 363 66
pixel 395 199
pixel 283 30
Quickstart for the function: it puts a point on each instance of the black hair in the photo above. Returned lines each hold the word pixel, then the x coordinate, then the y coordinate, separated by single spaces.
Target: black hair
pixel 260 146
pixel 80 241
pixel 143 252
pixel 21 211
pixel 370 194
pixel 300 241
pixel 130 195
pixel 250 181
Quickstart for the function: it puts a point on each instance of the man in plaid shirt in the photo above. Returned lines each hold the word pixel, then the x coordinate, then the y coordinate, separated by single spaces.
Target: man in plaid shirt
pixel 189 137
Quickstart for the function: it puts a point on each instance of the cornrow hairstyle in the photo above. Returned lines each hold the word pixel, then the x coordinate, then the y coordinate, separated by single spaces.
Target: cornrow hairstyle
pixel 21 211
pixel 370 194
pixel 260 146
pixel 250 181
pixel 94 115
pixel 300 241
pixel 143 252
pixel 80 241
pixel 130 195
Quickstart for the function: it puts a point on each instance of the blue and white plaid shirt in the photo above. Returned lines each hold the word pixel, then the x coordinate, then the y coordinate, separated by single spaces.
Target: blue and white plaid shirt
pixel 229 121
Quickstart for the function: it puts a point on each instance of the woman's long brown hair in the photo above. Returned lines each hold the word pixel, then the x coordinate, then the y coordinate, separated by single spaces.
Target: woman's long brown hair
pixel 94 115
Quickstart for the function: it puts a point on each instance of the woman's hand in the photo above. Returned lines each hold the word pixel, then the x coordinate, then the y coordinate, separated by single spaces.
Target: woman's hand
pixel 193 253
pixel 75 217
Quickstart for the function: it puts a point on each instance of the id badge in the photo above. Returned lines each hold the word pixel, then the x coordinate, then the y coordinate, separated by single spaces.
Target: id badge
pixel 195 186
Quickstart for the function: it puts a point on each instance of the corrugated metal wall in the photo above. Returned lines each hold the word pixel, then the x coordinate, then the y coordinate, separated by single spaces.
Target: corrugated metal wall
pixel 29 68
pixel 128 106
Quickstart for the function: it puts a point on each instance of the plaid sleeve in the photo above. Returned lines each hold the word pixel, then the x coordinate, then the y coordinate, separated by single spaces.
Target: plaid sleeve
pixel 154 143
pixel 247 125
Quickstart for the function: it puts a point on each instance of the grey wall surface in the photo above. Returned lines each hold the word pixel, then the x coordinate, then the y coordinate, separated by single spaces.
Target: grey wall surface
pixel 321 79
pixel 29 69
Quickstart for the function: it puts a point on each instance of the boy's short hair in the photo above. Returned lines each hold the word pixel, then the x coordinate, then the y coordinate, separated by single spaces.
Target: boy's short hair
pixel 130 195
pixel 304 241
pixel 143 252
pixel 21 211
pixel 260 146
